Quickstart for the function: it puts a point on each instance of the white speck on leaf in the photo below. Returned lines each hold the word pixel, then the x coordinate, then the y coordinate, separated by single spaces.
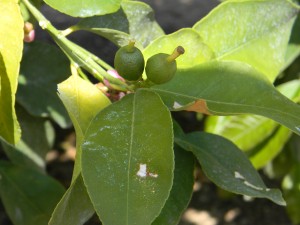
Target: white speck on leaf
pixel 142 171
pixel 253 186
pixel 176 105
pixel 238 175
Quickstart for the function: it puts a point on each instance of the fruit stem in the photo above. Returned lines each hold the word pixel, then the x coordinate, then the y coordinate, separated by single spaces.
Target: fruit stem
pixel 177 52
pixel 130 46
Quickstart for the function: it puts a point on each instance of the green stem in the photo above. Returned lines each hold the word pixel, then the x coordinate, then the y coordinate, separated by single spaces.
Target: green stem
pixel 75 53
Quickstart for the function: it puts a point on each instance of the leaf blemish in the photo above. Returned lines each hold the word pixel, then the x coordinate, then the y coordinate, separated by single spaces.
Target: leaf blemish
pixel 177 105
pixel 143 172
pixel 238 175
pixel 253 186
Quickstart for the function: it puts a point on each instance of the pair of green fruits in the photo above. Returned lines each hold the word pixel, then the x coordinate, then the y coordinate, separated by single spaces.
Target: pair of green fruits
pixel 160 68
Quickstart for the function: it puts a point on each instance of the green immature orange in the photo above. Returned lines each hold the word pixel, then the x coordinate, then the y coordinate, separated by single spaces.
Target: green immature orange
pixel 161 68
pixel 129 62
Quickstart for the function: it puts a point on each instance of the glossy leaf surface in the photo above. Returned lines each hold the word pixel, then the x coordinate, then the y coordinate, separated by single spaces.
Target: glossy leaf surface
pixel 29 197
pixel 195 50
pixel 182 188
pixel 75 207
pixel 83 101
pixel 226 166
pixel 254 32
pixel 134 20
pixel 37 139
pixel 43 67
pixel 11 45
pixel 128 159
pixel 224 88
pixel 85 8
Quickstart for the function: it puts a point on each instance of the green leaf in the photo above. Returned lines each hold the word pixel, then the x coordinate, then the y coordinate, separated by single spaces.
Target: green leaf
pixel 293 49
pixel 247 131
pixel 142 24
pixel 196 51
pixel 11 45
pixel 83 101
pixel 75 207
pixel 182 188
pixel 270 148
pixel 135 20
pixel 28 196
pixel 254 32
pixel 43 67
pixel 85 8
pixel 226 166
pixel 128 159
pixel 224 88
pixel 291 190
pixel 37 139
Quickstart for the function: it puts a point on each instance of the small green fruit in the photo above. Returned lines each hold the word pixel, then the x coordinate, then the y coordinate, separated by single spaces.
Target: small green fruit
pixel 161 68
pixel 129 62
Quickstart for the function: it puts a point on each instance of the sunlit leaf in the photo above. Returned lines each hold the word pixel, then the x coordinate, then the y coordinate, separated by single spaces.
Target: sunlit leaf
pixel 228 167
pixel 224 88
pixel 254 32
pixel 11 45
pixel 43 67
pixel 195 50
pixel 128 161
pixel 75 207
pixel 83 101
pixel 134 20
pixel 28 196
pixel 247 131
pixel 85 8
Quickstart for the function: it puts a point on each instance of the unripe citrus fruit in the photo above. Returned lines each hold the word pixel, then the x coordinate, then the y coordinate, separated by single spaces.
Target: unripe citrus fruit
pixel 129 62
pixel 161 68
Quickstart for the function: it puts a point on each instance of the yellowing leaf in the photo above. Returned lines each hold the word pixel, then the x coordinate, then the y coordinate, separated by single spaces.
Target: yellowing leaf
pixel 11 45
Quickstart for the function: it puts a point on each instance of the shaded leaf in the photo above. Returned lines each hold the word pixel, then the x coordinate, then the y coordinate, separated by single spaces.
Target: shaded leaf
pixel 226 166
pixel 196 51
pixel 229 88
pixel 85 8
pixel 28 196
pixel 291 191
pixel 254 32
pixel 83 101
pixel 127 159
pixel 37 139
pixel 43 67
pixel 75 207
pixel 134 20
pixel 11 45
pixel 181 191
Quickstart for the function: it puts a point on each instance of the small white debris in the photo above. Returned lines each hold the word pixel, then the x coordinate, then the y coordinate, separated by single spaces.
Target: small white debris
pixel 238 175
pixel 153 175
pixel 253 186
pixel 143 170
pixel 177 105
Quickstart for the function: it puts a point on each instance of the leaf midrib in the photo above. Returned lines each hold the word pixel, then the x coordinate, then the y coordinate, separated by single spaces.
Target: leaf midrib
pixel 129 158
